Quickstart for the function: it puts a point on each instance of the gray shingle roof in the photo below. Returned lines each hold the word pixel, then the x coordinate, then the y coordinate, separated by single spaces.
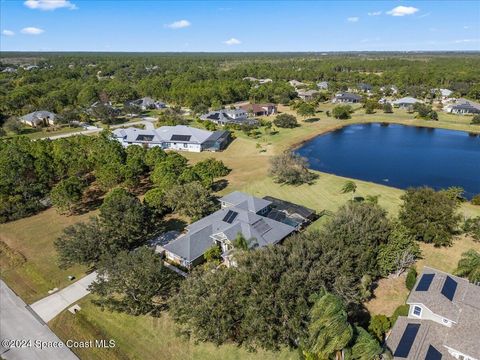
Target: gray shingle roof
pixel 197 240
pixel 37 116
pixel 252 203
pixel 406 100
pixel 348 96
pixel 164 134
pixel 463 310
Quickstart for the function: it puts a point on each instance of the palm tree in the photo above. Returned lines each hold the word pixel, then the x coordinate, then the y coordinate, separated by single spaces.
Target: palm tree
pixel 366 347
pixel 329 331
pixel 349 187
pixel 469 266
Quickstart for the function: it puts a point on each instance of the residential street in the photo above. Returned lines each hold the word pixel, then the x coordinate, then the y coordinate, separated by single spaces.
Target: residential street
pixel 148 122
pixel 52 305
pixel 18 322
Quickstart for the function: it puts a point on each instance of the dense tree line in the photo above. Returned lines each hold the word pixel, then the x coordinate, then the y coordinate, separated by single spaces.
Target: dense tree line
pixel 67 82
pixel 37 173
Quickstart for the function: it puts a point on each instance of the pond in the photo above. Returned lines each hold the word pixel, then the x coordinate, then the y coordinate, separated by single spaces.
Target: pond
pixel 399 156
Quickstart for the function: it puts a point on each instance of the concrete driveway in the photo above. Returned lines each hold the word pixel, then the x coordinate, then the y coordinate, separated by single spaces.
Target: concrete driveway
pixel 148 122
pixel 19 322
pixel 52 305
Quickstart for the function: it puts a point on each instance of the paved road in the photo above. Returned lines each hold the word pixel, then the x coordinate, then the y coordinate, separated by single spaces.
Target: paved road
pixel 18 322
pixel 148 122
pixel 52 305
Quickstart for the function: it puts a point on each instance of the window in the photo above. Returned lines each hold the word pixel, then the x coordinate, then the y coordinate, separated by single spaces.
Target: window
pixel 417 311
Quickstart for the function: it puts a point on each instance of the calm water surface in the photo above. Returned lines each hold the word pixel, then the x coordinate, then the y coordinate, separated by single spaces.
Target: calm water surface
pixel 399 156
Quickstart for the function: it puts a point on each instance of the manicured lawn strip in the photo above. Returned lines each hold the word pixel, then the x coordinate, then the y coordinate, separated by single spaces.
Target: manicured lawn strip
pixel 144 337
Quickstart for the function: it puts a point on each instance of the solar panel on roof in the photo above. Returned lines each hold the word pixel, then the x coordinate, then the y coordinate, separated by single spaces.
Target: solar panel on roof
pixel 261 226
pixel 407 340
pixel 144 137
pixel 424 283
pixel 180 137
pixel 449 288
pixel 433 354
pixel 231 215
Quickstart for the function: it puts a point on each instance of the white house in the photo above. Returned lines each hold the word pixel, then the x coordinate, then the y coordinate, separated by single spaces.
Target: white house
pixel 405 102
pixel 229 116
pixel 38 118
pixel 444 93
pixel 296 83
pixel 322 85
pixel 180 138
pixel 463 107
pixel 443 321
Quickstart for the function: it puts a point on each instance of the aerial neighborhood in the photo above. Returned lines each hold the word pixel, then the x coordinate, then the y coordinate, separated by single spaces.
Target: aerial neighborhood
pixel 190 180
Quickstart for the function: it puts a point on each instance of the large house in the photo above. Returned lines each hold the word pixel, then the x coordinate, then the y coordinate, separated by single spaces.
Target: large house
pixel 443 321
pixel 229 116
pixel 365 87
pixel 260 81
pixel 296 83
pixel 348 98
pixel 259 109
pixel 322 85
pixel 39 118
pixel 463 107
pixel 179 137
pixel 444 93
pixel 406 102
pixel 256 219
pixel 147 103
pixel 307 95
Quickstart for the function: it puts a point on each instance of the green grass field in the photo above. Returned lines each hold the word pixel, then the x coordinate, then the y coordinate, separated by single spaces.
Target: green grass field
pixel 144 338
pixel 148 338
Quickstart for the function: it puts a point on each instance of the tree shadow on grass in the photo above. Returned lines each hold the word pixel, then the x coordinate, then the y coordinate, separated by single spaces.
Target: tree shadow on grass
pixel 311 120
pixel 174 224
pixel 219 185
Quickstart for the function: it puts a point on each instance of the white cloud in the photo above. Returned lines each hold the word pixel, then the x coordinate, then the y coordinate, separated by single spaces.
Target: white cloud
pixel 402 11
pixel 180 24
pixel 375 13
pixel 8 32
pixel 32 31
pixel 232 41
pixel 49 4
pixel 353 19
pixel 462 41
pixel 466 27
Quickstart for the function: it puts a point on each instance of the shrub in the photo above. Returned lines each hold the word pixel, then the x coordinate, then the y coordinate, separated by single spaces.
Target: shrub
pixel 476 120
pixel 402 310
pixel 472 227
pixel 342 112
pixel 379 325
pixel 411 278
pixel 290 168
pixel 476 200
pixel 387 108
pixel 429 216
pixel 285 121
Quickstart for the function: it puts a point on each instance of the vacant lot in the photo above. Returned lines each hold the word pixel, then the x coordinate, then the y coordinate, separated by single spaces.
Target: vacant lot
pixel 33 238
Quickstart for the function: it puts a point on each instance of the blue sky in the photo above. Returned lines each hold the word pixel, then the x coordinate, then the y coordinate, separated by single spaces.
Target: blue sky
pixel 80 25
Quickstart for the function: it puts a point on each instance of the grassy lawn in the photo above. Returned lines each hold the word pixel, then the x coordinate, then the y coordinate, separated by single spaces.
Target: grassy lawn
pixel 33 238
pixel 143 337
